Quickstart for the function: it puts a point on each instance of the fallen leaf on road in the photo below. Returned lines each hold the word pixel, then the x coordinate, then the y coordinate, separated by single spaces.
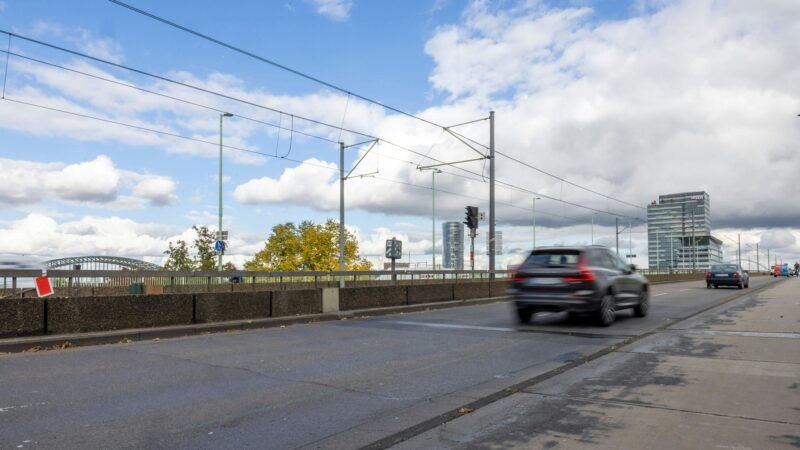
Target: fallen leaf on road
pixel 465 410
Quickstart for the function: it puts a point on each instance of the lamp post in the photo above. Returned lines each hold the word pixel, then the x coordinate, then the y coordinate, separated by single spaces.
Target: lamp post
pixel 434 171
pixel 593 214
pixel 219 230
pixel 534 220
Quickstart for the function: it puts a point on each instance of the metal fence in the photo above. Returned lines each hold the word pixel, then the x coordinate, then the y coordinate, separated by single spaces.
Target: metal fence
pixel 17 282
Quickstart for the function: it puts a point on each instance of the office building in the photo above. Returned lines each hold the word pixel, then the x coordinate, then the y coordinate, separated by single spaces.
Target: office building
pixel 679 232
pixel 453 236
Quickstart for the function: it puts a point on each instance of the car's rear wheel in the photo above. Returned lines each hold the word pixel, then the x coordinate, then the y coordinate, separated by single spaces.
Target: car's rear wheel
pixel 747 285
pixel 708 285
pixel 643 307
pixel 741 285
pixel 607 314
pixel 716 286
pixel 524 314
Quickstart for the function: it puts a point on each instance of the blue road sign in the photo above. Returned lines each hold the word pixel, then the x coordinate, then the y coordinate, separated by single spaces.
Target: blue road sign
pixel 219 245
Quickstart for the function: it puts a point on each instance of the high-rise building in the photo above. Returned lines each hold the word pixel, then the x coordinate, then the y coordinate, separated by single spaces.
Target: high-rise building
pixel 679 232
pixel 453 236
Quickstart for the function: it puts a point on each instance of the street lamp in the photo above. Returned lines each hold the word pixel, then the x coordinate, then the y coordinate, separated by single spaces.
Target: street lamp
pixel 434 171
pixel 219 230
pixel 534 220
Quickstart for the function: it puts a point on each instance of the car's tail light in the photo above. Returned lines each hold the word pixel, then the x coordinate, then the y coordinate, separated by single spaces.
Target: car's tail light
pixel 515 274
pixel 586 273
pixel 735 274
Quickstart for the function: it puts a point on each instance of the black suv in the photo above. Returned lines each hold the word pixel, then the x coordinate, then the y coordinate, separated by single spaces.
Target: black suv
pixel 579 280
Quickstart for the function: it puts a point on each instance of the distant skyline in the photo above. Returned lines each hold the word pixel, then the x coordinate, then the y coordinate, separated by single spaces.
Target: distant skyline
pixel 629 99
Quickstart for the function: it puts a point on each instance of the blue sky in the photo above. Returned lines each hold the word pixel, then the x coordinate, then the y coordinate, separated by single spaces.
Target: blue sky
pixel 575 84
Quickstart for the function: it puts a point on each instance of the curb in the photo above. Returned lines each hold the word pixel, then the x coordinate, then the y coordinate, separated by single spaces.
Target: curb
pixel 61 341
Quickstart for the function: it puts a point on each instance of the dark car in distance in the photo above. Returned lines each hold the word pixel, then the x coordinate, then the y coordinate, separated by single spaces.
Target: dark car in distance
pixel 580 280
pixel 727 275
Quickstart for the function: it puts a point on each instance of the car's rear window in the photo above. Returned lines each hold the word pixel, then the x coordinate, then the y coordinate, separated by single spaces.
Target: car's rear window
pixel 552 258
pixel 724 268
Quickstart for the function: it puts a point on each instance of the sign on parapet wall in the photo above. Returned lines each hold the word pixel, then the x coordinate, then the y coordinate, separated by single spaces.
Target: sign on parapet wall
pixel 43 287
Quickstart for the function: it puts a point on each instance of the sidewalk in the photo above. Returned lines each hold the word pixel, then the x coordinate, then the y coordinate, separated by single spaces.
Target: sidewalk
pixel 726 379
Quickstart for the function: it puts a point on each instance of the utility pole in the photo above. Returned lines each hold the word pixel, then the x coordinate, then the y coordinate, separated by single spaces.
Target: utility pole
pixel 616 227
pixel 694 244
pixel 593 228
pixel 758 267
pixel 491 195
pixel 630 242
pixel 534 220
pixel 434 171
pixel 658 252
pixel 739 253
pixel 341 214
pixel 219 230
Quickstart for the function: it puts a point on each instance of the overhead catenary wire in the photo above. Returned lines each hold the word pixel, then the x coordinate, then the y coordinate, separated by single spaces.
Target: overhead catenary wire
pixel 330 85
pixel 208 91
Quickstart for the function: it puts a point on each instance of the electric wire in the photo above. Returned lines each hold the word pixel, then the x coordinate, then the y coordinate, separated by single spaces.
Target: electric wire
pixel 124 67
pixel 331 85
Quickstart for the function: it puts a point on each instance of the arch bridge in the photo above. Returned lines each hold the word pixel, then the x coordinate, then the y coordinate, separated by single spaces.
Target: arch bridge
pixel 100 263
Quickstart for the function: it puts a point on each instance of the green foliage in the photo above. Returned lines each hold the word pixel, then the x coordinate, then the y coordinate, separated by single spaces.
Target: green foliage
pixel 206 259
pixel 204 244
pixel 178 257
pixel 307 247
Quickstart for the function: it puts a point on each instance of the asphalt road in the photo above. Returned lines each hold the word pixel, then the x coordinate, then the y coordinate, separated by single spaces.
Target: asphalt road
pixel 340 384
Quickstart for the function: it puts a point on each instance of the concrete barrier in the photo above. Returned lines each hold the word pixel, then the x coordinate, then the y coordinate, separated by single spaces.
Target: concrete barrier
pixel 471 289
pixel 372 297
pixel 498 288
pixel 77 315
pixel 296 302
pixel 430 293
pixel 21 316
pixel 224 306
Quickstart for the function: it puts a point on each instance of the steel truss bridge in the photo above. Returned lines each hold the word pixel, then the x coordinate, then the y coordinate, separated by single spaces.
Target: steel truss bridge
pixel 99 263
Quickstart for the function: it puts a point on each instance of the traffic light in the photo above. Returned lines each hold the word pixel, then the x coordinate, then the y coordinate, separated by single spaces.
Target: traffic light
pixel 472 217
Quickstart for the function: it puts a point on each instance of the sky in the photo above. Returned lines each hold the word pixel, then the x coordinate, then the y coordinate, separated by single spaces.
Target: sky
pixel 600 106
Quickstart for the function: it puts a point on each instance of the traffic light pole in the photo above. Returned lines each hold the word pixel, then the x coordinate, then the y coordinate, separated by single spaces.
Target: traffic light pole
pixel 472 249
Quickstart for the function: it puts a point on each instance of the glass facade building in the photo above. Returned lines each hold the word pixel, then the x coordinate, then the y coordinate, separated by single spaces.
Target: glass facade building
pixel 453 236
pixel 679 232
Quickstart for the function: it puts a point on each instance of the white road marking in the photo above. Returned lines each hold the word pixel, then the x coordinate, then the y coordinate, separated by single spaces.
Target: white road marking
pixel 748 334
pixel 448 325
pixel 663 293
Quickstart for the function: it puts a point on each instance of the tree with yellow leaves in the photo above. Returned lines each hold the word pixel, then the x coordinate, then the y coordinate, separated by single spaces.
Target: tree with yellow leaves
pixel 307 247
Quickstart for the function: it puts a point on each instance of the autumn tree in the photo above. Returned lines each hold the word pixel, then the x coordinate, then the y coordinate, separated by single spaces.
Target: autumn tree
pixel 307 247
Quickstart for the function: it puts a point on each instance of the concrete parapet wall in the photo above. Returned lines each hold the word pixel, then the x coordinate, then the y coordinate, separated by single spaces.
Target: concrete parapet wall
pixel 372 297
pixel 676 277
pixel 471 289
pixel 224 306
pixel 296 302
pixel 21 316
pixel 76 315
pixel 429 293
pixel 498 288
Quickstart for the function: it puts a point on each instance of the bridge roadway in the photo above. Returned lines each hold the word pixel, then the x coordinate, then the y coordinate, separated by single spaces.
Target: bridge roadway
pixel 342 384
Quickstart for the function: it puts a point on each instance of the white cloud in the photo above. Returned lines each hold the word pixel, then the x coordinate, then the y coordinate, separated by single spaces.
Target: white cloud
pixel 94 183
pixel 157 189
pixel 338 10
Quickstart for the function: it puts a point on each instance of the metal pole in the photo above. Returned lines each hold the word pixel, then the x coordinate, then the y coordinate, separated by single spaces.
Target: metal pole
pixel 433 215
pixel 491 195
pixel 616 226
pixel 694 245
pixel 630 242
pixel 534 220
pixel 758 267
pixel 593 228
pixel 341 214
pixel 739 254
pixel 219 229
pixel 658 252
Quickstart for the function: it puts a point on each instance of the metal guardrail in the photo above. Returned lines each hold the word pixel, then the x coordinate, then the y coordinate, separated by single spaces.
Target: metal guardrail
pixel 72 279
